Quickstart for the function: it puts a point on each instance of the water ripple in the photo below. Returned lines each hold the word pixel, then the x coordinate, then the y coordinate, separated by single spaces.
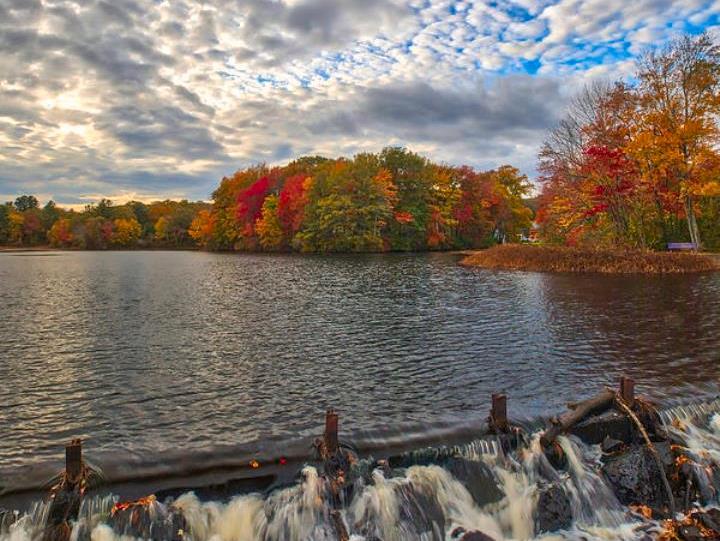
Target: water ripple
pixel 148 352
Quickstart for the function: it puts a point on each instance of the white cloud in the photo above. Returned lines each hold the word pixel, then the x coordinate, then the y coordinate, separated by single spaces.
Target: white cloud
pixel 163 97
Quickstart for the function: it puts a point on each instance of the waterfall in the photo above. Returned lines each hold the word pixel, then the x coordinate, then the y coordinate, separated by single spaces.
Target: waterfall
pixel 432 494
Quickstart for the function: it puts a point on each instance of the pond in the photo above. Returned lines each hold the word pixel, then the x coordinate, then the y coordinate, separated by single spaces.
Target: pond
pixel 145 352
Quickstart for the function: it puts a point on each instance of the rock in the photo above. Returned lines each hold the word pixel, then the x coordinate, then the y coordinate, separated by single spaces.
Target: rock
pixel 611 445
pixel 420 512
pixel 596 428
pixel 710 519
pixel 634 475
pixel 690 533
pixel 7 519
pixel 148 519
pixel 553 510
pixel 419 516
pixel 462 535
pixel 555 456
pixel 477 478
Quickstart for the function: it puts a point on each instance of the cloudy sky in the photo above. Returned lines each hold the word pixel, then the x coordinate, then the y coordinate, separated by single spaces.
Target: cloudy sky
pixel 161 98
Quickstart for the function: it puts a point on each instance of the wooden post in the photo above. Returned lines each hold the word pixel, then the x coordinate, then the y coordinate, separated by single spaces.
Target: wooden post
pixel 73 461
pixel 627 390
pixel 498 413
pixel 331 431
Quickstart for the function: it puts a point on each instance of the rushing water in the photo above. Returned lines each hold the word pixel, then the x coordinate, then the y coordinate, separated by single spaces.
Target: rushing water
pixel 420 502
pixel 153 351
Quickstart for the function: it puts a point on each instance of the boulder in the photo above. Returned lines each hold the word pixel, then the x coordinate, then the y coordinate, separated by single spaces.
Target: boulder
pixel 554 511
pixel 690 533
pixel 634 475
pixel 596 428
pixel 710 519
pixel 7 519
pixel 610 445
pixel 477 478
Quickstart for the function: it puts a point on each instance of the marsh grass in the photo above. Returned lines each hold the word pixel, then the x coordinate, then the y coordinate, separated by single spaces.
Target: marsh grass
pixel 565 259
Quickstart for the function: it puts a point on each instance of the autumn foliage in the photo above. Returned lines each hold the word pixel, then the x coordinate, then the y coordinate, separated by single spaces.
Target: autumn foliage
pixel 637 165
pixel 394 200
pixel 162 224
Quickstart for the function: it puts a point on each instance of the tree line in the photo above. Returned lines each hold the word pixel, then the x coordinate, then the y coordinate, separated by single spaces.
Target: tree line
pixel 99 226
pixel 393 200
pixel 635 163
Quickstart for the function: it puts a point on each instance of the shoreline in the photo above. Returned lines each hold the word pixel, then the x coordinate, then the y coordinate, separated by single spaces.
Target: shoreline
pixel 45 248
pixel 523 257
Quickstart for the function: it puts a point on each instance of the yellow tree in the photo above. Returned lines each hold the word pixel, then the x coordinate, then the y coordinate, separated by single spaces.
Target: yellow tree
pixel 679 89
pixel 268 227
pixel 202 228
pixel 126 231
pixel 16 223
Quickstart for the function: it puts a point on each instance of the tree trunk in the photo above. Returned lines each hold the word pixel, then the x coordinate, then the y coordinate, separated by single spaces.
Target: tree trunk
pixel 692 222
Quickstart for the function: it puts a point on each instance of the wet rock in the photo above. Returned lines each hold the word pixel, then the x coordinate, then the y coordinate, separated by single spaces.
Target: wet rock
pixel 690 533
pixel 556 456
pixel 477 478
pixel 634 475
pixel 7 519
pixel 462 535
pixel 710 519
pixel 596 428
pixel 611 445
pixel 420 517
pixel 148 519
pixel 420 512
pixel 553 510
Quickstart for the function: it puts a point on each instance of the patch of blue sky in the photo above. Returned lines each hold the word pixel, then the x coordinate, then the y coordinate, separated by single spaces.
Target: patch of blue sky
pixel 519 13
pixel 322 73
pixel 698 27
pixel 530 67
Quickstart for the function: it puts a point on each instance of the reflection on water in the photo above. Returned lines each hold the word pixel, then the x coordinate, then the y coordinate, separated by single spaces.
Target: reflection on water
pixel 166 350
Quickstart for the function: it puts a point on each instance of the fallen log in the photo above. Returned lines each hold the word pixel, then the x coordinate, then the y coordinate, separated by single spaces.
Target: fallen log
pixel 566 421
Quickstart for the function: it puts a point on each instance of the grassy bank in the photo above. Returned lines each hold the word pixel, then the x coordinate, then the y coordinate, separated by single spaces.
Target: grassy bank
pixel 562 259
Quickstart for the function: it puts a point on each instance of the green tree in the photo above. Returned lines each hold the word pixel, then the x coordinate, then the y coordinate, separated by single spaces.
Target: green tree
pixel 5 222
pixel 26 202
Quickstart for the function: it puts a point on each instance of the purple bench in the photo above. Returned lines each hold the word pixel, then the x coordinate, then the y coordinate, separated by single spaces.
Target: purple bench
pixel 680 246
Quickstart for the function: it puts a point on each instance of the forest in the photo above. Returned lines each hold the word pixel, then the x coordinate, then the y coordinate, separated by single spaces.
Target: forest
pixel 635 164
pixel 394 200
pixel 101 226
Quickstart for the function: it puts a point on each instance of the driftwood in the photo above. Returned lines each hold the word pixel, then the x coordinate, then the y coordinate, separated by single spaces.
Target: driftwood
pixel 581 410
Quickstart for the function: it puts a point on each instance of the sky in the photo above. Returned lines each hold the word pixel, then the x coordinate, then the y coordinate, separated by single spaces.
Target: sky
pixel 154 99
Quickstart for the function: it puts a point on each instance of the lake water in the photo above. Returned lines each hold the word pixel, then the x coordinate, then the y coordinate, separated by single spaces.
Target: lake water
pixel 148 352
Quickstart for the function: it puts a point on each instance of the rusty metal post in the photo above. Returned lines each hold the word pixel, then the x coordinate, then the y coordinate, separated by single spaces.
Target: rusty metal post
pixel 73 461
pixel 331 431
pixel 498 413
pixel 627 390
